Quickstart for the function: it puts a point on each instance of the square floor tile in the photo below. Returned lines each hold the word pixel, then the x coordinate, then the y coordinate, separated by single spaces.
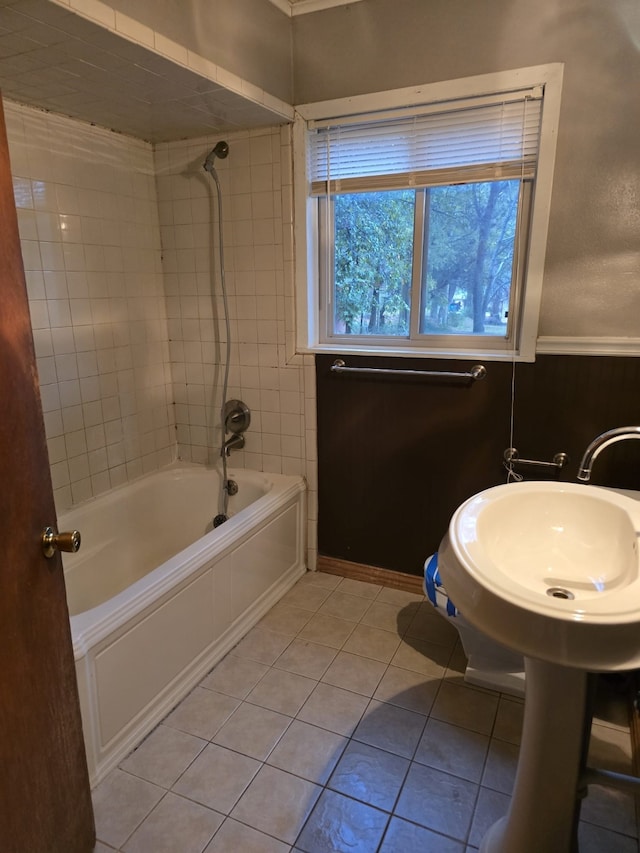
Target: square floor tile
pixel 324 579
pixel 395 618
pixel 411 690
pixel 500 768
pixel 333 708
pixel 285 619
pixel 373 643
pixel 175 824
pixel 327 630
pixel 342 606
pixel 491 806
pixel 342 825
pixel 405 837
pixel 305 658
pixel 371 775
pixel 399 597
pixel 234 837
pixel 217 778
pixel 428 659
pixel 464 706
pixel 432 627
pixel 163 756
pixel 202 713
pixel 456 668
pixel 352 672
pixel 353 638
pixel 453 750
pixel 252 730
pixel 235 676
pixel 349 586
pixel 438 801
pixel 595 839
pixel 308 751
pixel 390 727
pixel 277 803
pixel 610 809
pixel 508 724
pixel 282 691
pixel 307 597
pixel 120 803
pixel 262 645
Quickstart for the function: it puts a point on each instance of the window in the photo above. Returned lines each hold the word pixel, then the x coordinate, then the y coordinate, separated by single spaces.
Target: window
pixel 426 224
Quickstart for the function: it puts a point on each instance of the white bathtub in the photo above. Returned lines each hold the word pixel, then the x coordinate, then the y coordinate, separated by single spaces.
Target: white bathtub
pixel 156 597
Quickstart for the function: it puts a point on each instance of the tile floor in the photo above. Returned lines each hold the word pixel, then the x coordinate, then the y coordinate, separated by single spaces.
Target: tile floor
pixel 341 722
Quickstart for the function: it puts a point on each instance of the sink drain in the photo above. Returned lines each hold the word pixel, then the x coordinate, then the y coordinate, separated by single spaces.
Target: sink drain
pixel 559 592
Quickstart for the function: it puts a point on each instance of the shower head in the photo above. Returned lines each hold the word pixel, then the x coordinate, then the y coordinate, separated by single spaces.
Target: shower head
pixel 221 150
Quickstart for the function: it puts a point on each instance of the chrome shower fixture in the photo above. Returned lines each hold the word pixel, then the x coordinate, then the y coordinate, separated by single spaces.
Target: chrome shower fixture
pixel 220 150
pixel 237 418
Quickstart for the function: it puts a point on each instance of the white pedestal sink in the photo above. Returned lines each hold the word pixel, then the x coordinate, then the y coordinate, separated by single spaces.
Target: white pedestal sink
pixel 550 570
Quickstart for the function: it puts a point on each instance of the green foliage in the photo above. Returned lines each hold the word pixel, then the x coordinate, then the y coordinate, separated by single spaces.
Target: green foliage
pixel 373 260
pixel 467 267
pixel 470 255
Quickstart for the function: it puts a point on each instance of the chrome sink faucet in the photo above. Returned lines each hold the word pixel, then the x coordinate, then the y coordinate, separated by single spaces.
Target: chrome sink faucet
pixel 598 445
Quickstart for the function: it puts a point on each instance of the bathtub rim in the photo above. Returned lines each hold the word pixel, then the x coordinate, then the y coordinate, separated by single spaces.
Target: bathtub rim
pixel 91 627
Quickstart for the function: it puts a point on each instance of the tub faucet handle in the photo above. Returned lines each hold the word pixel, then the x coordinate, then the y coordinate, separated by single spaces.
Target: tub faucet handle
pixel 52 541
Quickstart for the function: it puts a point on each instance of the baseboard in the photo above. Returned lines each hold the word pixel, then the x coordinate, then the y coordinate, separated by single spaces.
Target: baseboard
pixel 370 574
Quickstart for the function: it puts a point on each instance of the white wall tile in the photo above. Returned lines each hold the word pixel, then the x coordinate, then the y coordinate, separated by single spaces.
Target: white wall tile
pixel 89 222
pixel 127 334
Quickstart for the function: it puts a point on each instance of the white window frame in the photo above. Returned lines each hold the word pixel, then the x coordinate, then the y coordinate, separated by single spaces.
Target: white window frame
pixel 308 285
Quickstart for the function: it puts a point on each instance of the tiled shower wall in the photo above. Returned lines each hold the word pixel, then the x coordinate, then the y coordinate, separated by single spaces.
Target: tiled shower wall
pixel 277 385
pixel 119 249
pixel 88 218
pixel 250 180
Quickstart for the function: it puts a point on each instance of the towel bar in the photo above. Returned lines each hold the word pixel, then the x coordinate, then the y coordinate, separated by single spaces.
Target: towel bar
pixel 478 371
pixel 511 457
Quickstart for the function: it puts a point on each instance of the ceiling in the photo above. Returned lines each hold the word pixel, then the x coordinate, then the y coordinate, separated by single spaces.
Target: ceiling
pixel 302 7
pixel 60 61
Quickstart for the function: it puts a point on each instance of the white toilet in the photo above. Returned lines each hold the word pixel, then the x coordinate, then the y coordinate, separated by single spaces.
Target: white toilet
pixel 489 663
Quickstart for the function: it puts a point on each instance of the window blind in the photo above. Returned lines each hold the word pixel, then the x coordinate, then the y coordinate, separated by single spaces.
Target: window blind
pixel 474 140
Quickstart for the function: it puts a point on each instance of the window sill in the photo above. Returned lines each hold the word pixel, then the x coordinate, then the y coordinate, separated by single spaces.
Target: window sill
pixel 414 352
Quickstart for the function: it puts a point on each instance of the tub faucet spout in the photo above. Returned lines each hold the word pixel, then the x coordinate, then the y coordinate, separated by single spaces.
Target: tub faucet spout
pixel 598 445
pixel 234 442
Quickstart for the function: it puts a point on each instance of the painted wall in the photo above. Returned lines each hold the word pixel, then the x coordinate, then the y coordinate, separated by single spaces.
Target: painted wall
pixel 250 38
pixel 592 275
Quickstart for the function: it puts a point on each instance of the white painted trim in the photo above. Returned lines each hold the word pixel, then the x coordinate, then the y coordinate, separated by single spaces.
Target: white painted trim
pixel 539 228
pixel 550 345
pixel 302 7
pixel 283 5
pixel 307 285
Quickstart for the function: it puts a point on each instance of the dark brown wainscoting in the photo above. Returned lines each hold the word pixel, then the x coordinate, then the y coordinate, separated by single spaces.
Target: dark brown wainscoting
pixel 396 455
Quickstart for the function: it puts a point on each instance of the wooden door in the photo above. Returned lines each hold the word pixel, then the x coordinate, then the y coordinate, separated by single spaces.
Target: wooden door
pixel 45 802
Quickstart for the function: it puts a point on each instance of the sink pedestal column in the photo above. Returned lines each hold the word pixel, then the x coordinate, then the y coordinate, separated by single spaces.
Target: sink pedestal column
pixel 544 807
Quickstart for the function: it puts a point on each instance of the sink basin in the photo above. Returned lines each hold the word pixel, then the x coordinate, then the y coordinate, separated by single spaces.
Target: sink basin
pixel 550 570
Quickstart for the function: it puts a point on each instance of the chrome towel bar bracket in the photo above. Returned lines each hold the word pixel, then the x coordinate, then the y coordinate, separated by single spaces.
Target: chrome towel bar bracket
pixel 478 371
pixel 511 457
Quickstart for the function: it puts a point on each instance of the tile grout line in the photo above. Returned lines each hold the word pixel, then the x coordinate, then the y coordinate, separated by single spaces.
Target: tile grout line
pixel 350 739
